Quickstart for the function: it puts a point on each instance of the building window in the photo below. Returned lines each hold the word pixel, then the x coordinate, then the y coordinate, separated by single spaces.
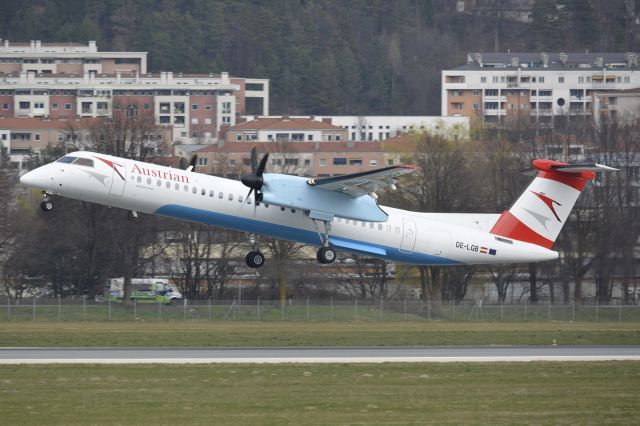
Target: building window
pixel 560 79
pixel 323 162
pixel 373 162
pixel 36 137
pixel 476 93
pixel 207 107
pixel 580 79
pixel 540 79
pixel 24 105
pixel 307 162
pixel 483 79
pixel 194 121
pixel 476 106
pixel 207 120
pixel 626 79
pixel 67 107
pixel 194 107
pixel 5 106
pixel 355 162
pixel 494 79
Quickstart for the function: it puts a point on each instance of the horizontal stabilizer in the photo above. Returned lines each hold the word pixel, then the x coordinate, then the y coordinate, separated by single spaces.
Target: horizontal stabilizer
pixel 580 168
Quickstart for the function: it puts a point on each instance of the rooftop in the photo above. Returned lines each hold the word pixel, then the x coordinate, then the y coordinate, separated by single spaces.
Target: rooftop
pixel 293 147
pixel 281 123
pixel 550 61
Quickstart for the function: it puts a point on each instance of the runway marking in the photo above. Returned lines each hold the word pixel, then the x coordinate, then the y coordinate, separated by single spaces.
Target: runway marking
pixel 323 360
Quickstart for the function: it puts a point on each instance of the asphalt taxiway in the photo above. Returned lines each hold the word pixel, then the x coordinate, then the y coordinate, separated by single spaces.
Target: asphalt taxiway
pixel 316 355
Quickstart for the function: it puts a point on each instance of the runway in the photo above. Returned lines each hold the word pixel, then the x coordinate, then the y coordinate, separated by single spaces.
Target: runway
pixel 315 355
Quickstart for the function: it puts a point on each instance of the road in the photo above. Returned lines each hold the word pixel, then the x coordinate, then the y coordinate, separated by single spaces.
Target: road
pixel 315 355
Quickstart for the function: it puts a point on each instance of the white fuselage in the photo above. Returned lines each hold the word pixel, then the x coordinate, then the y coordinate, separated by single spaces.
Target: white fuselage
pixel 410 237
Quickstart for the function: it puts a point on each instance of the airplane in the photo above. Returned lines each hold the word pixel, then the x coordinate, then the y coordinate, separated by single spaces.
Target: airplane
pixel 339 213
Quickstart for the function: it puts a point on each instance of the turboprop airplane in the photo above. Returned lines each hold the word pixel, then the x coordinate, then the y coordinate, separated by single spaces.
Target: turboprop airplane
pixel 335 213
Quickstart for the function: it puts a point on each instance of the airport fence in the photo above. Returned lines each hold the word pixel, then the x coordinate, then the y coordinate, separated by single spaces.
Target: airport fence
pixel 40 309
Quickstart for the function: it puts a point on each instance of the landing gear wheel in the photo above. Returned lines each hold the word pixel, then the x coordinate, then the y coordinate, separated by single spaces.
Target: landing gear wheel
pixel 254 259
pixel 46 205
pixel 326 255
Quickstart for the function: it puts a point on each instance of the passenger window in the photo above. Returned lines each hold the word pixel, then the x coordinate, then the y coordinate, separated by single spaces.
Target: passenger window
pixel 293 210
pixel 211 193
pixel 388 228
pixel 159 182
pixel 380 227
pixel 397 229
pixel 203 191
pixel 230 197
pixel 148 181
pixel 364 224
pixel 282 209
pixel 177 186
pixel 186 188
pixel 168 185
pixel 221 195
pixel 371 225
pixel 139 179
pixel 239 198
pixel 194 189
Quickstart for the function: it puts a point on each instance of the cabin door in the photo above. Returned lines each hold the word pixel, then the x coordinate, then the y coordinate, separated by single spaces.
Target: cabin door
pixel 118 179
pixel 409 232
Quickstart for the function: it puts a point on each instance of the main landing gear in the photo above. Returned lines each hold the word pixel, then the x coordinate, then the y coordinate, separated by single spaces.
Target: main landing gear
pixel 326 254
pixel 254 258
pixel 46 204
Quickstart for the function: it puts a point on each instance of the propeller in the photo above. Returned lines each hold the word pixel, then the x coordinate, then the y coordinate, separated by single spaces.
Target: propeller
pixel 254 180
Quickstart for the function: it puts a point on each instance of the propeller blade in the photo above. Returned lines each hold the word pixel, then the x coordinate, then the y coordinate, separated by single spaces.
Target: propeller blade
pixel 192 163
pixel 263 165
pixel 254 160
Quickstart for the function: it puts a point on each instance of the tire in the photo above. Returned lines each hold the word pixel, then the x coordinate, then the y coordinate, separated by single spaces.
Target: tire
pixel 254 259
pixel 326 255
pixel 46 205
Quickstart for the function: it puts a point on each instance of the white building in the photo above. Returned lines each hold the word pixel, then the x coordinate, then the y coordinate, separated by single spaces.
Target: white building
pixel 382 127
pixel 494 86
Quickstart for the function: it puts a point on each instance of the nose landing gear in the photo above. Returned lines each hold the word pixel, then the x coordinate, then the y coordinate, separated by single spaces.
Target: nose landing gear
pixel 46 204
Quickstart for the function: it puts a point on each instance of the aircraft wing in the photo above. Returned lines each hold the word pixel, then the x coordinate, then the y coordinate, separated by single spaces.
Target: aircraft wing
pixel 363 183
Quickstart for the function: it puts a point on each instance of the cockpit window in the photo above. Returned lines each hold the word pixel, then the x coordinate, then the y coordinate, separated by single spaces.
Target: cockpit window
pixel 84 162
pixel 66 159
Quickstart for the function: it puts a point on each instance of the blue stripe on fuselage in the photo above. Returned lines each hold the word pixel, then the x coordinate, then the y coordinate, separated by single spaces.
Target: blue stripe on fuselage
pixel 297 234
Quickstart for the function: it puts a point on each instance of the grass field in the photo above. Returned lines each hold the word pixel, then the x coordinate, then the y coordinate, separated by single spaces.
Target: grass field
pixel 514 393
pixel 303 333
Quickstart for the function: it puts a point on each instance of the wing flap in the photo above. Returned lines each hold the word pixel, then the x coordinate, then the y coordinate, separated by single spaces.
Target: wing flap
pixel 363 183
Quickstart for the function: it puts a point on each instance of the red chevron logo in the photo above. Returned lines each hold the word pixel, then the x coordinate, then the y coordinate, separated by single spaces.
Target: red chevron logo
pixel 549 202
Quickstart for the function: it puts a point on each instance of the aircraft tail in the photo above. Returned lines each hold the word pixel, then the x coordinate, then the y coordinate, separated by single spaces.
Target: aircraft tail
pixel 539 214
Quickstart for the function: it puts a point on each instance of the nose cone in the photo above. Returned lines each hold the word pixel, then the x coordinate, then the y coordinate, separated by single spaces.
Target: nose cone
pixel 33 178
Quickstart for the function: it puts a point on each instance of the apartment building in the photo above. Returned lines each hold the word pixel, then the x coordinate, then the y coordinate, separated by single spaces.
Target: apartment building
pixel 622 105
pixel 197 107
pixel 304 146
pixel 296 158
pixel 25 136
pixel 286 129
pixel 67 58
pixel 382 127
pixel 543 86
